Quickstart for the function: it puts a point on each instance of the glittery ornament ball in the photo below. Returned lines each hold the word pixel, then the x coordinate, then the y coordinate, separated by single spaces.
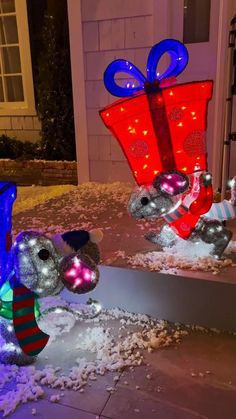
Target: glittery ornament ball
pixel 79 273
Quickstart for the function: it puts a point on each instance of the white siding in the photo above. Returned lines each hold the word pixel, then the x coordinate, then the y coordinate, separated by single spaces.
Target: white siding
pixel 111 30
pixel 24 128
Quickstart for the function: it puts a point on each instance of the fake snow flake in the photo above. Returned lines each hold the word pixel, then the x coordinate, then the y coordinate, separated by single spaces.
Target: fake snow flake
pixel 110 389
pixel 55 398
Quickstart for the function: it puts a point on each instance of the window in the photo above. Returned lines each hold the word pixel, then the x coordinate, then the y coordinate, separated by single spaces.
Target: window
pixel 196 21
pixel 16 84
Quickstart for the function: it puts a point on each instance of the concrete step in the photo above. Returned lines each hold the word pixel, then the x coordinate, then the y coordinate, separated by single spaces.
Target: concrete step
pixel 189 298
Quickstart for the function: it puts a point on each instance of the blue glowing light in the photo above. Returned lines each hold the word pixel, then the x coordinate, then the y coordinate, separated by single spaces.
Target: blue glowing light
pixel 7 198
pixel 178 60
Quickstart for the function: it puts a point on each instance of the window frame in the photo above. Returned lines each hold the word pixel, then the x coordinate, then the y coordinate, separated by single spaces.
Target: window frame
pixel 26 107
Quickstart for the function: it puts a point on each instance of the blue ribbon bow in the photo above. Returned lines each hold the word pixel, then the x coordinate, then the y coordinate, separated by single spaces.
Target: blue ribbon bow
pixel 178 60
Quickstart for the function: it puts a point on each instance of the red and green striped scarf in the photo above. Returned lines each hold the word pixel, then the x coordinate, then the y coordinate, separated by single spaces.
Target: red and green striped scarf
pixel 30 338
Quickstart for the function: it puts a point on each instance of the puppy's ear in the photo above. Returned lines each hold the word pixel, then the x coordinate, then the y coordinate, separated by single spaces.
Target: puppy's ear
pixel 171 183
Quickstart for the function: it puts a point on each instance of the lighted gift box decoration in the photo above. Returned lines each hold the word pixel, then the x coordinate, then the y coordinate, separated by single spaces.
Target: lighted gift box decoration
pixel 161 128
pixel 35 266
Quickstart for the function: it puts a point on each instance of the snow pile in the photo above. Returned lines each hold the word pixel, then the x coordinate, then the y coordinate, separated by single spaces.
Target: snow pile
pixel 183 255
pixel 59 316
pixel 231 248
pixel 111 342
pixel 26 390
pixel 57 324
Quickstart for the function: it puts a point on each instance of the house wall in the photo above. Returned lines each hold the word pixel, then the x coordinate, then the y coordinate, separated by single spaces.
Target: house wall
pixel 23 128
pixel 111 29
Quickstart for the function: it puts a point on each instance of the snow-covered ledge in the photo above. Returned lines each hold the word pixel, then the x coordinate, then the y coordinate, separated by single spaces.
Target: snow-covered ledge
pixel 38 172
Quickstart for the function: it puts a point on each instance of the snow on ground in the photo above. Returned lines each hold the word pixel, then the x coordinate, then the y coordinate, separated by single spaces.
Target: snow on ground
pixel 98 349
pixel 81 208
pixel 30 196
pixel 93 205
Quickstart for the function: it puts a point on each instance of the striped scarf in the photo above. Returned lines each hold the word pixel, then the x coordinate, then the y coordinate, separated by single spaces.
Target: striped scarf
pixel 221 211
pixel 30 338
pixel 179 212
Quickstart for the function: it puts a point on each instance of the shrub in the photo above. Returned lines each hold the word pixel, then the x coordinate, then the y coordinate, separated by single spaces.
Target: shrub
pixel 11 148
pixel 53 86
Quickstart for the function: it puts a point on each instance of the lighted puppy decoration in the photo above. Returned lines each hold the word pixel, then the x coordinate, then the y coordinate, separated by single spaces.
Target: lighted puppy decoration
pixel 189 216
pixel 36 266
pixel 161 129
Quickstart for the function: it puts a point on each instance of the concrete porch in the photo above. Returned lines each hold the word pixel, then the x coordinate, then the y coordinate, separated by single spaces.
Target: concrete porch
pixel 205 297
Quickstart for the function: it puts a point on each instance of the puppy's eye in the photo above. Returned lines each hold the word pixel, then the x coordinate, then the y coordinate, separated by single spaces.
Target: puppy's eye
pixel 144 200
pixel 44 254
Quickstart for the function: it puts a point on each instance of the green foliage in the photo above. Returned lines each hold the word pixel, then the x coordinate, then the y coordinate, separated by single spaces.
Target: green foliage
pixel 10 148
pixel 53 87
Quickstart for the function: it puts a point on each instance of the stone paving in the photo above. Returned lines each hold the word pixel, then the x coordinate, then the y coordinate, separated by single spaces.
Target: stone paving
pixel 194 379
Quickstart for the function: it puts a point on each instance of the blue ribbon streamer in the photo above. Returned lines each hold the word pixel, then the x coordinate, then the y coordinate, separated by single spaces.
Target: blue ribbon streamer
pixel 178 60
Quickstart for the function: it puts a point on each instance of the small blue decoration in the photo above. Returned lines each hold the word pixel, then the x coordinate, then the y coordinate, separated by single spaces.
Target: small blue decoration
pixel 178 60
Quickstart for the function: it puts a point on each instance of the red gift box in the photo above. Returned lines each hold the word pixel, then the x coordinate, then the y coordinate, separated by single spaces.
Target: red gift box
pixel 162 131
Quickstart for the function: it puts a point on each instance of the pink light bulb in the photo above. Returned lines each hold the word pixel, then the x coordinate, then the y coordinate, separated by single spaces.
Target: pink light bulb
pixel 72 272
pixel 77 262
pixel 87 276
pixel 78 281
